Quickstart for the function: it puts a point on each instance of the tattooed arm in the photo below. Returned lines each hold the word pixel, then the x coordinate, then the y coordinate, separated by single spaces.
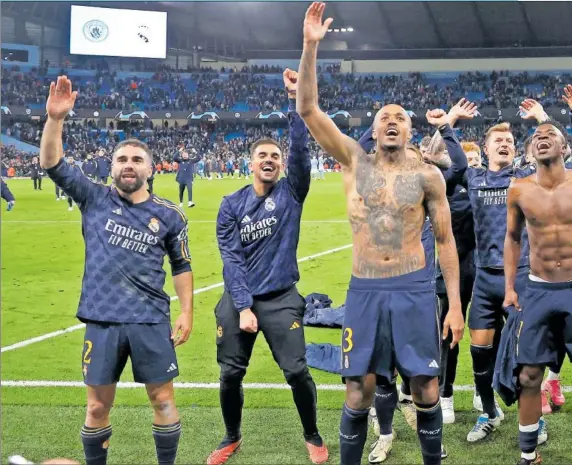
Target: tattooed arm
pixel 438 208
pixel 321 126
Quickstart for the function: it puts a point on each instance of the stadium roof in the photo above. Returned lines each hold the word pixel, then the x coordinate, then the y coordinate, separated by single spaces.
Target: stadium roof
pixel 269 26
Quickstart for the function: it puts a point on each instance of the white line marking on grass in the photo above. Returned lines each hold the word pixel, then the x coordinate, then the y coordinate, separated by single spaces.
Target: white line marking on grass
pixel 33 340
pixel 182 385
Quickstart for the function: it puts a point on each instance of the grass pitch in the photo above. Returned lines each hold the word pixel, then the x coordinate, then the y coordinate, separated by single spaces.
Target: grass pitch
pixel 42 266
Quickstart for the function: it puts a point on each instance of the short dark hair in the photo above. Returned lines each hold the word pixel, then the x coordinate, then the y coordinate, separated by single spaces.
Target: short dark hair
pixel 134 143
pixel 266 141
pixel 560 127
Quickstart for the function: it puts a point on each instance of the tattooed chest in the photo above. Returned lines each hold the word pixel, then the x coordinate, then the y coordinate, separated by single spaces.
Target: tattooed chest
pixel 389 206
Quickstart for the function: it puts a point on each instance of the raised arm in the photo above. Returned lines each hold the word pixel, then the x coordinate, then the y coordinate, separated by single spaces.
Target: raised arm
pixel 72 181
pixel 514 226
pixel 299 156
pixel 60 101
pixel 454 174
pixel 437 207
pixel 321 126
pixel 233 259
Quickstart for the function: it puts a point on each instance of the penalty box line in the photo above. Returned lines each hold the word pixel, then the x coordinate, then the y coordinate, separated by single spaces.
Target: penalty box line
pixel 27 342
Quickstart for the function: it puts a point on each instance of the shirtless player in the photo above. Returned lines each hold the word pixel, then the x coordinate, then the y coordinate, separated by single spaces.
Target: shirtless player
pixel 543 201
pixel 391 318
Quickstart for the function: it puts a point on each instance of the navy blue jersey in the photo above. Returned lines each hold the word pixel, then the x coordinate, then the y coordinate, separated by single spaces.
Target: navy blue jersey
pixel 186 169
pixel 461 222
pixel 5 193
pixel 258 236
pixel 488 193
pixel 125 246
pixel 103 166
pixel 89 167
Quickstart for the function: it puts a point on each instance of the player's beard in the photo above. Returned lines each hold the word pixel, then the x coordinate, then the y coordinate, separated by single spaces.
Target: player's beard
pixel 128 188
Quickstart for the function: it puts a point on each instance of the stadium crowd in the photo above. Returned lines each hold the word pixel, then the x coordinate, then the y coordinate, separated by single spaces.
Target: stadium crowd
pixel 208 141
pixel 257 89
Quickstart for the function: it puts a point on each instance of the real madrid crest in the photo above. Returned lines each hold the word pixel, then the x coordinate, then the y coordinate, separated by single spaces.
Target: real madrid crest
pixel 269 204
pixel 154 225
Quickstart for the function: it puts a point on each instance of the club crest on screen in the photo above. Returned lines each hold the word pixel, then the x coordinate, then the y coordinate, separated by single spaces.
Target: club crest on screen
pixel 95 30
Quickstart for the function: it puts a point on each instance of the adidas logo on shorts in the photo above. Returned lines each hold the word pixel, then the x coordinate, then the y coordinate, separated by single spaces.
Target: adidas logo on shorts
pixel 173 367
pixel 433 364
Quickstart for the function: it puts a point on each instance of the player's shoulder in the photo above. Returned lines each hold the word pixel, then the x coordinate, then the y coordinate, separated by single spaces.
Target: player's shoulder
pixel 168 209
pixel 237 196
pixel 429 173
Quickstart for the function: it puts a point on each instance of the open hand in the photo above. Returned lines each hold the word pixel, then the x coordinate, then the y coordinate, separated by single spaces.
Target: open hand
pixel 464 109
pixel 314 29
pixel 531 109
pixel 61 99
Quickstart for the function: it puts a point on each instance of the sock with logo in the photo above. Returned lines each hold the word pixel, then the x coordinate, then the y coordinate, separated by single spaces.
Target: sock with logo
pixel 430 432
pixel 353 433
pixel 385 404
pixel 95 444
pixel 483 369
pixel 528 439
pixel 166 442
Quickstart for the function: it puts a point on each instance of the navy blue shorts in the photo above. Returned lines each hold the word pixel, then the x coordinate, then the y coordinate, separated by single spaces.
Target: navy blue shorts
pixel 108 345
pixel 391 323
pixel 546 326
pixel 488 295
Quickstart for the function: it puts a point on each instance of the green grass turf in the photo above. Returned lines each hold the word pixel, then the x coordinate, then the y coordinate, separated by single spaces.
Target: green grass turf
pixel 42 264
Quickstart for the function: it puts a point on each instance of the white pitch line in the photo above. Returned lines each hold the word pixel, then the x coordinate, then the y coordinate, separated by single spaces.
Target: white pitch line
pixel 33 340
pixel 182 385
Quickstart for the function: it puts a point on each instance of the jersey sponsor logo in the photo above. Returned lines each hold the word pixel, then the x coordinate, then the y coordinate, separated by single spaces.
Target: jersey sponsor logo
pixel 117 211
pixel 493 196
pixel 269 204
pixel 433 364
pixel 246 220
pixel 129 238
pixel 154 225
pixel 430 433
pixel 253 231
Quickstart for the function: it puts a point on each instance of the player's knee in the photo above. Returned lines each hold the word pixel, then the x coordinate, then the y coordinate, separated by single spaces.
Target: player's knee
pixel 359 395
pixel 163 403
pixel 297 377
pixel 531 377
pixel 424 389
pixel 98 410
pixel 231 376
